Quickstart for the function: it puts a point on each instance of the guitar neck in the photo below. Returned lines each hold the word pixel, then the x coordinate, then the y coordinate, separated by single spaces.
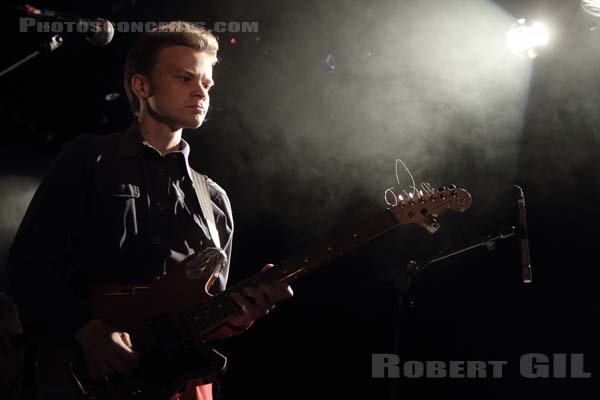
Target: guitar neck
pixel 320 255
pixel 219 308
pixel 421 210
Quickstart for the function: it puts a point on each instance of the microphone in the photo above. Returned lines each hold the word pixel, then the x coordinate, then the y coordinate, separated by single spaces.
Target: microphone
pixel 100 31
pixel 523 238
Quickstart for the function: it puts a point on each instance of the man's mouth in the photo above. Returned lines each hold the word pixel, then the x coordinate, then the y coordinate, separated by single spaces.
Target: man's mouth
pixel 198 108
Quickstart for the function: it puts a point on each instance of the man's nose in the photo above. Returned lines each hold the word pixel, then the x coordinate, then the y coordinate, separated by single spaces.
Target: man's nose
pixel 200 91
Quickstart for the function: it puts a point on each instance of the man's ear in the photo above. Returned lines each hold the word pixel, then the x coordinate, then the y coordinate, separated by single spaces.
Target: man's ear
pixel 140 86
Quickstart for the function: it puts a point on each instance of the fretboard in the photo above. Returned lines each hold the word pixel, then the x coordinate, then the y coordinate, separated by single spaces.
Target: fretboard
pixel 421 209
pixel 216 310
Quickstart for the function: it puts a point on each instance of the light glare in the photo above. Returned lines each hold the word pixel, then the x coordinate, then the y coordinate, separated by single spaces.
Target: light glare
pixel 524 38
pixel 591 7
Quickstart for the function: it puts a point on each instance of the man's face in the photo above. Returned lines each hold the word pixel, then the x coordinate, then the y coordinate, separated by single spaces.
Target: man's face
pixel 179 86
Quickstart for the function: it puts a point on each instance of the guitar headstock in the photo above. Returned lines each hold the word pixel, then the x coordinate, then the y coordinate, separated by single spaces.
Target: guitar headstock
pixel 423 208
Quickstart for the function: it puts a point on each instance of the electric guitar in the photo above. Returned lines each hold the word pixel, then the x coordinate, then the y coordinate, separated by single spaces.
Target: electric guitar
pixel 170 320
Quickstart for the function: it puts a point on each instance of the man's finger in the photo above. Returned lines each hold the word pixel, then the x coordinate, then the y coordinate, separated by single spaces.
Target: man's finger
pixel 258 296
pixel 266 267
pixel 126 339
pixel 285 287
pixel 245 315
pixel 240 301
pixel 271 294
pixel 250 312
pixel 275 293
pixel 134 358
pixel 118 339
pixel 289 291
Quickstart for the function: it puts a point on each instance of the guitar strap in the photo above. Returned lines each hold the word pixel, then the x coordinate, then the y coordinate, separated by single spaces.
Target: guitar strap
pixel 201 189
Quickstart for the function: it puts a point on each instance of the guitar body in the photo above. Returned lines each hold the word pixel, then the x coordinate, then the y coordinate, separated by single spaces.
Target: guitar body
pixel 162 372
pixel 172 354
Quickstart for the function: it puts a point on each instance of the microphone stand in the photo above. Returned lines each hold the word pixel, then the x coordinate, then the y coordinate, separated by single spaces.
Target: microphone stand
pixel 413 269
pixel 488 241
pixel 46 47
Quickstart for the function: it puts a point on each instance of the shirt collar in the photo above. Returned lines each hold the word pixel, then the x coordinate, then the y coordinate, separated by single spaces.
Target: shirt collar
pixel 132 143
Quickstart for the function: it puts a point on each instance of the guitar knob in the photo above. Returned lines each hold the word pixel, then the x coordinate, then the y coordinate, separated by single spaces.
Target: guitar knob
pixel 441 188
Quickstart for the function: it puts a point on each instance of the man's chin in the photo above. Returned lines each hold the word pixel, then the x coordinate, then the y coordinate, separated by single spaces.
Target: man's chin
pixel 179 121
pixel 193 124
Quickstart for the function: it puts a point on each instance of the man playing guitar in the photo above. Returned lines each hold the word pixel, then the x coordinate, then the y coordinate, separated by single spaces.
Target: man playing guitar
pixel 122 209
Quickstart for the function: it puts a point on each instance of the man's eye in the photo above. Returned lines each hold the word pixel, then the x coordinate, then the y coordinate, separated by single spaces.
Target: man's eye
pixel 186 78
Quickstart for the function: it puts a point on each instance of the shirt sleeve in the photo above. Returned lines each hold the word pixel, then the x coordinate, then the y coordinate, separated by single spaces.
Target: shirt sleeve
pixel 225 226
pixel 39 259
pixel 221 200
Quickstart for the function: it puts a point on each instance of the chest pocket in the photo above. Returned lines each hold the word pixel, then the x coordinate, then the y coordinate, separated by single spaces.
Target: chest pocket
pixel 116 209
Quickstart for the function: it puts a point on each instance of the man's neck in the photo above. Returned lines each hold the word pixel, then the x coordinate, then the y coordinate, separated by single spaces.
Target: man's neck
pixel 159 135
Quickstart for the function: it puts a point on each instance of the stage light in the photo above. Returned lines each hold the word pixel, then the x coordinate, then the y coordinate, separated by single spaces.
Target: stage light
pixel 111 96
pixel 232 40
pixel 591 7
pixel 525 38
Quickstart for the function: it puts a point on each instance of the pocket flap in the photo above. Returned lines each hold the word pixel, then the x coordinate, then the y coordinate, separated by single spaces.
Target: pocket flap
pixel 118 190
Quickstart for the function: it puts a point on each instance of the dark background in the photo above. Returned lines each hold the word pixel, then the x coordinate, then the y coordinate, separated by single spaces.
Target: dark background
pixel 308 116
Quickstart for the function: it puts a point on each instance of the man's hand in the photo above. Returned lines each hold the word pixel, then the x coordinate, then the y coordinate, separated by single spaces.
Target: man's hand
pixel 105 351
pixel 263 298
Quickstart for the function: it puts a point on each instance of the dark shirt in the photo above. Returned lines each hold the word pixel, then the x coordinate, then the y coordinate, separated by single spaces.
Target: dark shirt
pixel 111 210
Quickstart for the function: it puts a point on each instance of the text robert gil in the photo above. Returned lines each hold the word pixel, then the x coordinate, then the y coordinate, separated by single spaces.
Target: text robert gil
pixel 531 365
